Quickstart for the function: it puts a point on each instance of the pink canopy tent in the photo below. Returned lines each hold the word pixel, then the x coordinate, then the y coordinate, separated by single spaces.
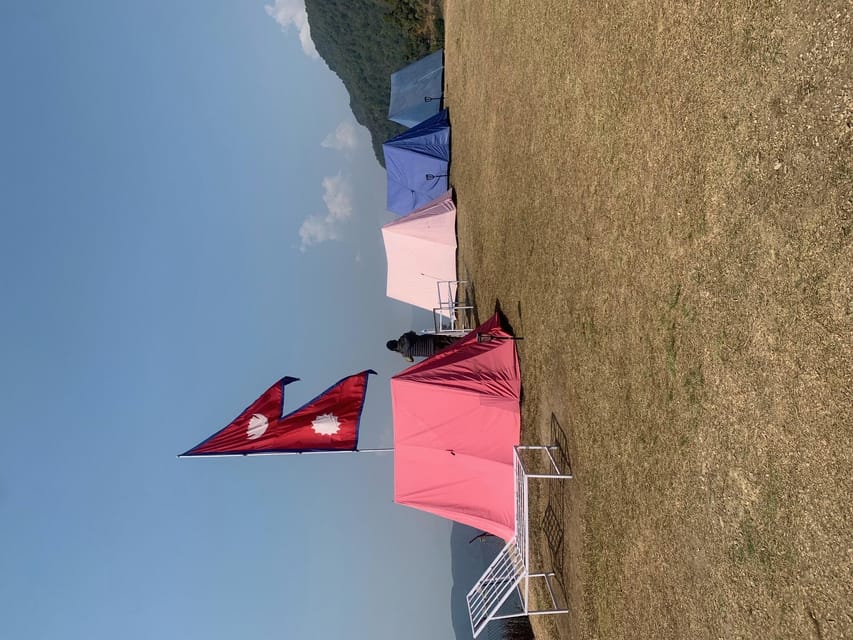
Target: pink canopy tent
pixel 456 420
pixel 421 251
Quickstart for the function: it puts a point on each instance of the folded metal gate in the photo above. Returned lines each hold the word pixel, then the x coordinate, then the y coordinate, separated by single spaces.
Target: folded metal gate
pixel 510 572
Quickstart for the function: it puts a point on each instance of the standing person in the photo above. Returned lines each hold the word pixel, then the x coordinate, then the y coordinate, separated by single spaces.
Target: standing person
pixel 413 345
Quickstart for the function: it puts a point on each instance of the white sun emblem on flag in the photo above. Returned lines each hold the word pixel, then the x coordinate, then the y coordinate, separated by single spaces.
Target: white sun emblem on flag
pixel 258 424
pixel 326 424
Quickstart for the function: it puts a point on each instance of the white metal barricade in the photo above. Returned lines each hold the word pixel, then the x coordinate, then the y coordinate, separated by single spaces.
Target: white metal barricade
pixel 510 572
pixel 446 314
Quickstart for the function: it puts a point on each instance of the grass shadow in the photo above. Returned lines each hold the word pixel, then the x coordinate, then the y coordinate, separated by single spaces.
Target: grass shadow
pixel 472 317
pixel 505 323
pixel 555 508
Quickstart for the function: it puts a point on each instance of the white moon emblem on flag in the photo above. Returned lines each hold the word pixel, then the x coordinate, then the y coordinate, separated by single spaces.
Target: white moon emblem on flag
pixel 257 426
pixel 326 424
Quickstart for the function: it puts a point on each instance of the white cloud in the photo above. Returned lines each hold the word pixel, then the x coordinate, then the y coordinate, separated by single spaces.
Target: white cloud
pixel 337 195
pixel 315 230
pixel 343 138
pixel 292 13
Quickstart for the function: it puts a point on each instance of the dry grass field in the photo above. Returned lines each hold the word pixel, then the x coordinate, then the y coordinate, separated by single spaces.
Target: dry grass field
pixel 660 196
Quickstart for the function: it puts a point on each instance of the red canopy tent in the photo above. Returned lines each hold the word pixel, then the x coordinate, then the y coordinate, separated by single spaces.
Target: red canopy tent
pixel 456 420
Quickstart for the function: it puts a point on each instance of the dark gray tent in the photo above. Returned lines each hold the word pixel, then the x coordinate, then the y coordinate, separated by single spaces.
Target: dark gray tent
pixel 416 90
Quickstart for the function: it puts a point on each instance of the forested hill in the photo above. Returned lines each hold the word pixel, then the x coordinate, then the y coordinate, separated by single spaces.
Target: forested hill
pixel 364 42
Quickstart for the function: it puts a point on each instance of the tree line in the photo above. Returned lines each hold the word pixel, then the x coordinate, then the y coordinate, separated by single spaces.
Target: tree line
pixel 365 41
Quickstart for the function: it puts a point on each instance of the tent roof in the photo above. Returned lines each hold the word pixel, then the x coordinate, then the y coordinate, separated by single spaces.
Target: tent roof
pixel 413 155
pixel 411 84
pixel 421 251
pixel 456 420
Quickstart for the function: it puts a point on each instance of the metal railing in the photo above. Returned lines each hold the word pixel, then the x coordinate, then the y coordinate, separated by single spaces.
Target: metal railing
pixel 446 316
pixel 510 572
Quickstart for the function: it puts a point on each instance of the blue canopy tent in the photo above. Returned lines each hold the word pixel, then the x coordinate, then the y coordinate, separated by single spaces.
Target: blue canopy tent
pixel 416 90
pixel 417 163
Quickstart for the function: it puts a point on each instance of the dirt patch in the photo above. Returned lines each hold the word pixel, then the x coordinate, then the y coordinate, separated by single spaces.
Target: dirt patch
pixel 660 197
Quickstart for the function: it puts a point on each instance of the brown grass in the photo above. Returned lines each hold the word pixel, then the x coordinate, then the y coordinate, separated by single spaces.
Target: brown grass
pixel 660 195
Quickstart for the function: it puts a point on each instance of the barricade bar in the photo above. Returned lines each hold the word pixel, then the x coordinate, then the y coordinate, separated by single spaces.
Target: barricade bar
pixel 510 571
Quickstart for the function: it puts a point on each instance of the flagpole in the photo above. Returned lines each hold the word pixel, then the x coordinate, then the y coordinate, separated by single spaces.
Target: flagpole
pixel 283 453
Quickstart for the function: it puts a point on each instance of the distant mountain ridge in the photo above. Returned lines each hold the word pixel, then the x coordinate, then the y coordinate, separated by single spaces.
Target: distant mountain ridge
pixel 468 560
pixel 364 42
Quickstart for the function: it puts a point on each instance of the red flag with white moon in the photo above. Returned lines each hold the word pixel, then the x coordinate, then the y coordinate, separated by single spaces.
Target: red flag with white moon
pixel 329 422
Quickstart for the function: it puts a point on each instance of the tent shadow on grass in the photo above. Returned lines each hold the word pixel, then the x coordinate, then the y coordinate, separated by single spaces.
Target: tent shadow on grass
pixel 505 323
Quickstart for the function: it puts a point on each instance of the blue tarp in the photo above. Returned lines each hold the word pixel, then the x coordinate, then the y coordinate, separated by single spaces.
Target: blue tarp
pixel 423 150
pixel 410 85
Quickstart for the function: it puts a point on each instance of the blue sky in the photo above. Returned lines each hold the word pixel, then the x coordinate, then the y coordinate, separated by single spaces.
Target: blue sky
pixel 190 212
